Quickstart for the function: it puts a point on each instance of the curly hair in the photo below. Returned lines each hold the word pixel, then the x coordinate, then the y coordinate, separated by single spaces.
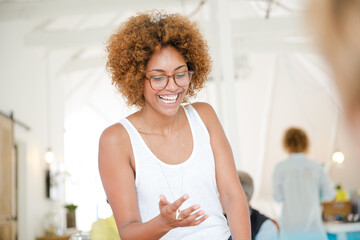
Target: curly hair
pixel 295 140
pixel 130 48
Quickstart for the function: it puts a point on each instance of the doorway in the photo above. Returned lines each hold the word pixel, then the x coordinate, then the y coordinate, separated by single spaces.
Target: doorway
pixel 8 203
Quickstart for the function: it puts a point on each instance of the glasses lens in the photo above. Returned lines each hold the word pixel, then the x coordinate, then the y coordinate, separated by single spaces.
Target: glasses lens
pixel 158 82
pixel 183 79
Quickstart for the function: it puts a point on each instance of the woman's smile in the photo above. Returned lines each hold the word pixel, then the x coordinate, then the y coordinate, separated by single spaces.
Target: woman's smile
pixel 169 98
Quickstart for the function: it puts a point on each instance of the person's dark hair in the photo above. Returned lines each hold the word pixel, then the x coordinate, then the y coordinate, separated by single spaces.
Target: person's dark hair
pixel 295 140
pixel 130 48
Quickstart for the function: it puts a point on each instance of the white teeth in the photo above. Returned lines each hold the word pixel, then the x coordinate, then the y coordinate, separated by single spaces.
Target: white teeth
pixel 168 98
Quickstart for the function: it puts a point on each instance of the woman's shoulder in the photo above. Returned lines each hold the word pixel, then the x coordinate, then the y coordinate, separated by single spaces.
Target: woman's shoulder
pixel 115 134
pixel 206 113
pixel 114 146
pixel 202 106
pixel 204 109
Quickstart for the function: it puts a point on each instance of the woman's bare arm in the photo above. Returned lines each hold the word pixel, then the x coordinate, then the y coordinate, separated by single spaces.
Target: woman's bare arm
pixel 231 193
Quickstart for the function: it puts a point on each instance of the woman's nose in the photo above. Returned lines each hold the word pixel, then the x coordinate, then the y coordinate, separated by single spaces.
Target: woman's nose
pixel 171 84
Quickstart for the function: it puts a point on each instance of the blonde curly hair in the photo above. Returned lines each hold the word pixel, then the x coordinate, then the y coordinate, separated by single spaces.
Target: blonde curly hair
pixel 130 48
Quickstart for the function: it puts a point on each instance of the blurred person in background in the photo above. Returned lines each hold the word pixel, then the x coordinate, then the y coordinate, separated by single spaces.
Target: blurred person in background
pixel 335 24
pixel 301 184
pixel 262 227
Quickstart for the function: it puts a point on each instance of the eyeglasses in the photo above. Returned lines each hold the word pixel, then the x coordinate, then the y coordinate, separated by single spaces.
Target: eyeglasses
pixel 161 81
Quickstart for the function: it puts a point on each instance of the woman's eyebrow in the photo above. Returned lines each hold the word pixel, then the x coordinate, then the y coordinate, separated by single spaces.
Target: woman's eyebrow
pixel 161 70
pixel 179 67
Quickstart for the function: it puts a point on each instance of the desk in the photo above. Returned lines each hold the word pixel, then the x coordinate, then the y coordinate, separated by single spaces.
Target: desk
pixel 340 229
pixel 62 237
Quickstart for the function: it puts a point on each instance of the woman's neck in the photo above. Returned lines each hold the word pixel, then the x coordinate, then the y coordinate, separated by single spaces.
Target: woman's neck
pixel 157 123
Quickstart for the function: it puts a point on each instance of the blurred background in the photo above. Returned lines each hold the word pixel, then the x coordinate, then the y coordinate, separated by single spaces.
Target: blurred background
pixel 56 96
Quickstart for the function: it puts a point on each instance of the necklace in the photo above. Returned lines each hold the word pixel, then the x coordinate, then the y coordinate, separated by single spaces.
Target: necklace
pixel 162 170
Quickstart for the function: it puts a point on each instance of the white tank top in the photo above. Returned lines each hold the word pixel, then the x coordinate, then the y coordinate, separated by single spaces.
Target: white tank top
pixel 198 182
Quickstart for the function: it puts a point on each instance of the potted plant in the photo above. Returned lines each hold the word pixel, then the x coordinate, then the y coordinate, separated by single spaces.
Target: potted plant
pixel 71 216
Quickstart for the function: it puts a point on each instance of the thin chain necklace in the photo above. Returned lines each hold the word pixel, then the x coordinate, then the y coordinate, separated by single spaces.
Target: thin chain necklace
pixel 162 170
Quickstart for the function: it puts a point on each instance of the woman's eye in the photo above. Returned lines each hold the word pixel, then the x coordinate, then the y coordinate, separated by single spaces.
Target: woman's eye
pixel 159 78
pixel 180 75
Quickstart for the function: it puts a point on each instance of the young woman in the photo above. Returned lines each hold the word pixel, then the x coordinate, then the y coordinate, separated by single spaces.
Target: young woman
pixel 164 166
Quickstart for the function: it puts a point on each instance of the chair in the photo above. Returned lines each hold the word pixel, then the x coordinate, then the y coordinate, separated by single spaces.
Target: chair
pixel 104 229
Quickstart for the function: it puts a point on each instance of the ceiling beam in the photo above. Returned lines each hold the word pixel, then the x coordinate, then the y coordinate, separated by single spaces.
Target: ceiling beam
pixel 275 28
pixel 278 28
pixel 249 46
pixel 14 10
pixel 282 26
pixel 83 64
pixel 63 38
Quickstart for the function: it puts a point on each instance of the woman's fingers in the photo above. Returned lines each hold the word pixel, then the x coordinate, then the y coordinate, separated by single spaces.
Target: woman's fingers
pixel 169 210
pixel 175 205
pixel 186 212
pixel 163 202
pixel 191 217
pixel 197 221
pixel 181 218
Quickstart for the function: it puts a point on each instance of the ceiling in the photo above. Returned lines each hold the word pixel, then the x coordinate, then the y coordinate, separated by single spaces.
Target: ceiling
pixel 249 26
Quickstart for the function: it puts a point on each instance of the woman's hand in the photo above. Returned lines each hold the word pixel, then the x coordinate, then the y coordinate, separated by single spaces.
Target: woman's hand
pixel 184 218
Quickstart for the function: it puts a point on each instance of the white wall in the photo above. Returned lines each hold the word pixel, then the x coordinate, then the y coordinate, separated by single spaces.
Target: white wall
pixel 23 91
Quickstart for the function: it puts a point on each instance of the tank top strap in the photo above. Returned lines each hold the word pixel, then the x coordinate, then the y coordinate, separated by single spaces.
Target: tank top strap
pixel 134 135
pixel 197 125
